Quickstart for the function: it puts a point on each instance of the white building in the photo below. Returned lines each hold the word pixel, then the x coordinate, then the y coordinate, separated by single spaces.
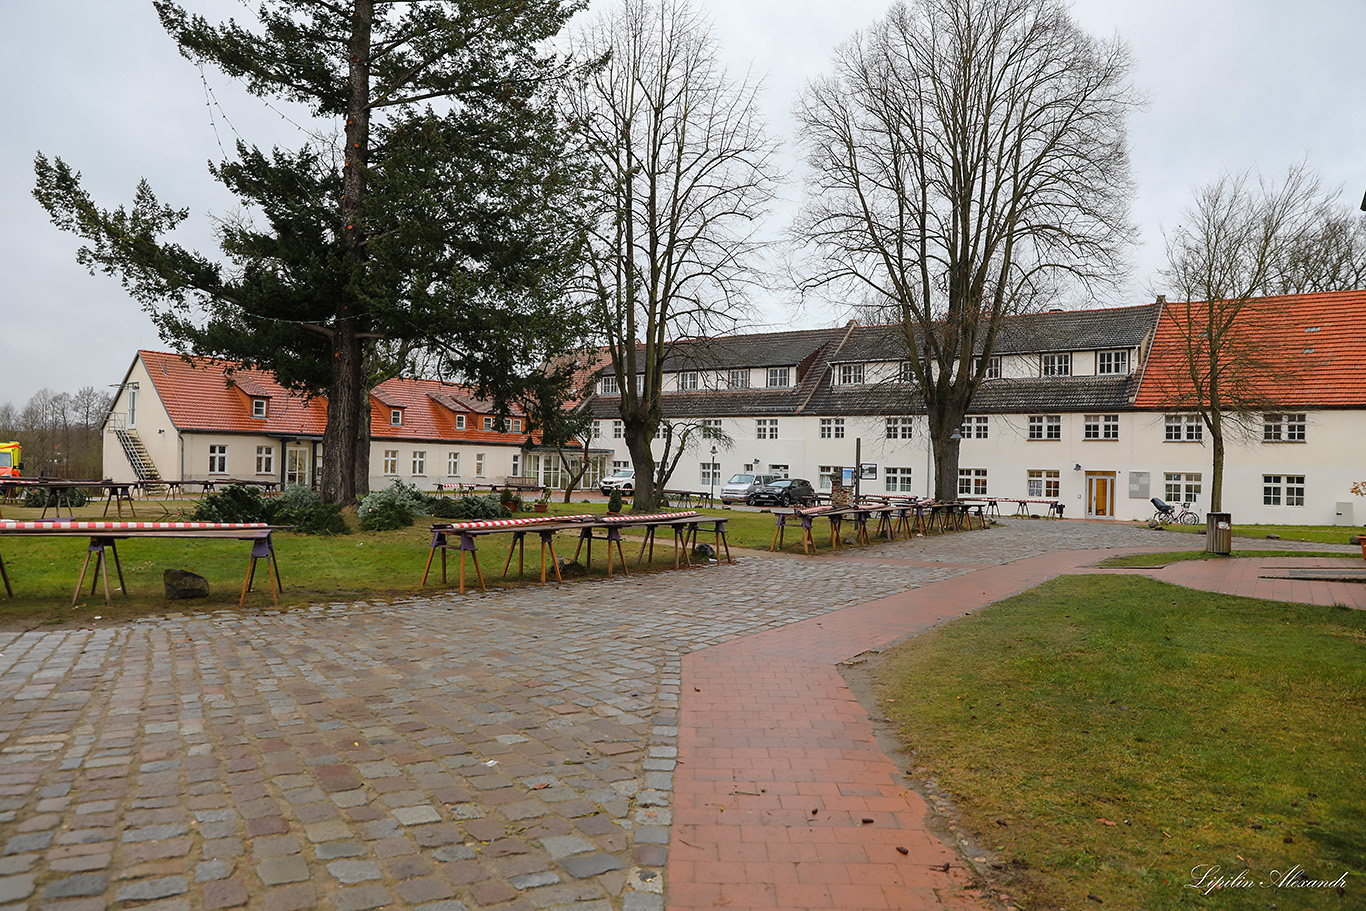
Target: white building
pixel 1073 411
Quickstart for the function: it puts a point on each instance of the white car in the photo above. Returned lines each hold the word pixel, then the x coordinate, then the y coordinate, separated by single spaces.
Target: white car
pixel 623 479
pixel 740 486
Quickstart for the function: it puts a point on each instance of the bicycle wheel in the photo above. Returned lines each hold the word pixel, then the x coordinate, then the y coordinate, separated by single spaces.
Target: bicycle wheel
pixel 1189 518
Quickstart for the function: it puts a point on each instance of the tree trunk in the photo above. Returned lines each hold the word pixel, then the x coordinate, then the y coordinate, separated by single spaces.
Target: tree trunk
pixel 638 438
pixel 346 442
pixel 1216 495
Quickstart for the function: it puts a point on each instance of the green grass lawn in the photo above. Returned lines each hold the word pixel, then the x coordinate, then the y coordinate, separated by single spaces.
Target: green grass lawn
pixel 1106 736
pixel 359 566
pixel 1162 559
pixel 1319 534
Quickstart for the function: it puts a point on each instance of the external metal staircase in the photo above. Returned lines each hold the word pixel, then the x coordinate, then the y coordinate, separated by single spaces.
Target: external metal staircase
pixel 141 461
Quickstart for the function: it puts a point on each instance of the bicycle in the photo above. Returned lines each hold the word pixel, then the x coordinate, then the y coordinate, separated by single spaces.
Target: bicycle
pixel 1167 513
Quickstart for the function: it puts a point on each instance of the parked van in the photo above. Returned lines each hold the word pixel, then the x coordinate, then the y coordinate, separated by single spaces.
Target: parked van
pixel 742 485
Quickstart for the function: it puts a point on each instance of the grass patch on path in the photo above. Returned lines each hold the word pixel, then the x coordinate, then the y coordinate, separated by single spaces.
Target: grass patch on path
pixel 1106 736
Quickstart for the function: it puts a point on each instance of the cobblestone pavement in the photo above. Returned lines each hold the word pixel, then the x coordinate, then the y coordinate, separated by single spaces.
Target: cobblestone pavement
pixel 513 750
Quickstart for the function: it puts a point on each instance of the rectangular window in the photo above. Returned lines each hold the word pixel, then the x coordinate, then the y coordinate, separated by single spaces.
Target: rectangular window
pixel 218 460
pixel 898 428
pixel 779 471
pixel 516 425
pixel 1181 487
pixel 711 473
pixel 1284 428
pixel 778 377
pixel 687 381
pixel 766 429
pixel 832 428
pixel 596 433
pixel 618 430
pixel 608 386
pixel 479 464
pixel 459 422
pixel 1283 490
pixel 993 367
pixel 391 461
pixel 898 480
pixel 827 476
pixel 453 464
pixel 265 460
pixel 712 424
pixel 620 463
pixel 1044 483
pixel 1045 427
pixel 517 465
pixel 258 408
pixel 419 462
pixel 851 374
pixel 974 428
pixel 972 482
pixel 488 423
pixel 906 372
pixel 1055 365
pixel 395 417
pixel 738 379
pixel 1112 362
pixel 1101 427
pixel 1184 428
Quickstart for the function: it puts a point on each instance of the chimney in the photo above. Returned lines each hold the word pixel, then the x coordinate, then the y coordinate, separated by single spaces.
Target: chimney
pixel 1162 298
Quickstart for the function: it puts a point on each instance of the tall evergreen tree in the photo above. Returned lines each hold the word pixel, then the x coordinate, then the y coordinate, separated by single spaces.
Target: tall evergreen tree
pixel 443 217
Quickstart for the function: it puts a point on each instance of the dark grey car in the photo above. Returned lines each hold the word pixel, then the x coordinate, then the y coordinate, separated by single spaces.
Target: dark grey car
pixel 784 492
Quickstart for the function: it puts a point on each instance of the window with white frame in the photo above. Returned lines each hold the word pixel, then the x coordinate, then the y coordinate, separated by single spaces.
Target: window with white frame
pixel 1044 483
pixel 488 422
pixel 972 482
pixel 516 425
pixel 618 430
pixel 620 463
pixel 778 377
pixel 419 461
pixel 608 385
pixel 1100 427
pixel 258 408
pixel 1184 428
pixel 479 464
pixel 517 465
pixel 905 372
pixel 1283 428
pixel 265 459
pixel 1181 486
pixel 898 428
pixel 993 367
pixel 1045 427
pixel 974 427
pixel 1055 365
pixel 766 429
pixel 712 424
pixel 459 422
pixel 1283 490
pixel 596 432
pixel 832 428
pixel 711 473
pixel 391 461
pixel 851 375
pixel 1112 362
pixel 897 480
pixel 218 460
pixel 826 478
pixel 453 464
pixel 779 471
pixel 396 417
pixel 687 381
pixel 737 379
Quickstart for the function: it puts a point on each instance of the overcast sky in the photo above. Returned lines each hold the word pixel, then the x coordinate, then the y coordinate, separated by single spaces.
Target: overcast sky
pixel 1232 85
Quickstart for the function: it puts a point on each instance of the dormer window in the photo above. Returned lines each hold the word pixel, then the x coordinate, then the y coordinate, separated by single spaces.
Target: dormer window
pixel 396 417
pixel 259 407
pixel 851 374
pixel 609 385
pixel 459 422
pixel 1112 362
pixel 1055 365
pixel 488 423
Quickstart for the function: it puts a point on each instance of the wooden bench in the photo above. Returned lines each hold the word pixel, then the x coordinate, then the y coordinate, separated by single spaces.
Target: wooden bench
pixel 105 535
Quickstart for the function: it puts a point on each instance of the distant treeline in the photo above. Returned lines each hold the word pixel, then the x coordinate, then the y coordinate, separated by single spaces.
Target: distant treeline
pixel 59 432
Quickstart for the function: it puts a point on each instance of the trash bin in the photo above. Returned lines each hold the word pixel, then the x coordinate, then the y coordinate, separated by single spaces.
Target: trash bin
pixel 1218 533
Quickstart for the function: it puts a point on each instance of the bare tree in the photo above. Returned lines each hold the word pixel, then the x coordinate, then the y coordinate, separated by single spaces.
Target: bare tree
pixel 681 436
pixel 684 171
pixel 968 160
pixel 1241 237
pixel 1329 258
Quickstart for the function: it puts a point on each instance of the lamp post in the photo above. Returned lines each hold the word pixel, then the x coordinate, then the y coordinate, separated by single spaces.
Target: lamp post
pixel 711 497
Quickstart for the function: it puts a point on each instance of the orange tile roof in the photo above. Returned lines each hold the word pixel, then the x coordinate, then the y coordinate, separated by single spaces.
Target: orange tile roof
pixel 1322 335
pixel 197 396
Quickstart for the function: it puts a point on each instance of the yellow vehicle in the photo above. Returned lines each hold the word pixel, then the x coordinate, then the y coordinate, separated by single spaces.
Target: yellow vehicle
pixel 9 460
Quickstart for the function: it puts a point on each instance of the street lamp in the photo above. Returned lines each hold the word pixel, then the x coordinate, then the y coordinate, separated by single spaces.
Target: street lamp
pixel 712 474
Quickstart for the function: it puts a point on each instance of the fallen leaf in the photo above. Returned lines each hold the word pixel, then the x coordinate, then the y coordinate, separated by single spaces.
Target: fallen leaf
pixel 901 850
pixel 1102 819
